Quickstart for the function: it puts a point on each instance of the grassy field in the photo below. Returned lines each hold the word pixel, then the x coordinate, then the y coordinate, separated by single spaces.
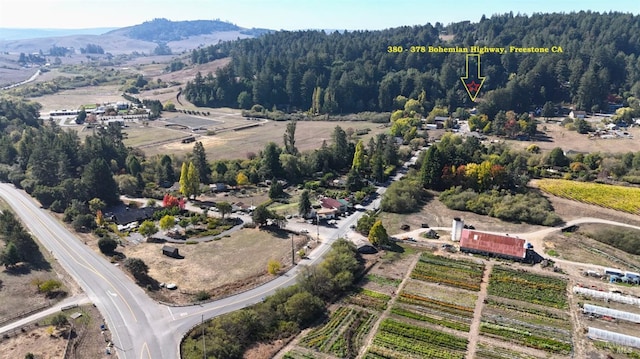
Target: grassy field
pixel 237 144
pixel 573 141
pixel 217 263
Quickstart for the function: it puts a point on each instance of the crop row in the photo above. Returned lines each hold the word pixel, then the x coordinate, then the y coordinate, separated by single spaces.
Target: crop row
pixel 297 355
pixel 435 304
pixel 352 338
pixel 528 287
pixel 528 314
pixel 460 274
pixel 526 338
pixel 320 338
pixel 383 280
pixel 486 351
pixel 423 317
pixel 450 262
pixel 457 296
pixel 540 329
pixel 369 299
pixel 620 198
pixel 404 338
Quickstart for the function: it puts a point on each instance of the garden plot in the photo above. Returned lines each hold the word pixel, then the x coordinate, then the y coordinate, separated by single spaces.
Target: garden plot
pixel 343 334
pixel 368 299
pixel 528 287
pixel 488 351
pixel 396 339
pixel 531 312
pixel 450 272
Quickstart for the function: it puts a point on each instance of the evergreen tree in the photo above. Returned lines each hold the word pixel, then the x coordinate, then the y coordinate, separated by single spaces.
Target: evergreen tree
pixel 431 169
pixel 99 182
pixel 200 161
pixel 10 256
pixel 290 139
pixel 304 205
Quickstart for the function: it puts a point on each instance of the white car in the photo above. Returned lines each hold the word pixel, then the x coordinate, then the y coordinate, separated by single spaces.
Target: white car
pixel 304 231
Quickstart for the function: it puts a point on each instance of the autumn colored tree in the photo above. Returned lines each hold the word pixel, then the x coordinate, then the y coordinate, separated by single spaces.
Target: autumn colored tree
pixel 378 234
pixel 242 179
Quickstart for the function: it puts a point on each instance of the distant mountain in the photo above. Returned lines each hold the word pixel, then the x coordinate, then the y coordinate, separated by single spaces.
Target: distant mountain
pixel 21 34
pixel 163 30
pixel 144 38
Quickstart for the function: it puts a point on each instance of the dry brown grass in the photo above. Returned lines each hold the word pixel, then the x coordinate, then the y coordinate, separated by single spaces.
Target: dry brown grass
pixel 37 342
pixel 217 263
pixel 573 141
pixel 72 99
pixel 236 144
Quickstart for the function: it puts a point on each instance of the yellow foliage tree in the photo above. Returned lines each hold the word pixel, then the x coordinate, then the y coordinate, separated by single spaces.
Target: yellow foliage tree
pixel 242 179
pixel 273 266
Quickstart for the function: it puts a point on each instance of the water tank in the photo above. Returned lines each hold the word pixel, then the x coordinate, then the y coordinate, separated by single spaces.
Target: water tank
pixel 456 229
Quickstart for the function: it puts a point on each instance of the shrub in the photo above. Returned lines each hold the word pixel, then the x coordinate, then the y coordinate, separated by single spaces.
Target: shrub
pixel 273 266
pixel 202 296
pixel 107 245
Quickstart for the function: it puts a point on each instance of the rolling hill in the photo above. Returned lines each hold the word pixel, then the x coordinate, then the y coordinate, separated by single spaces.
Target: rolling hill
pixel 178 35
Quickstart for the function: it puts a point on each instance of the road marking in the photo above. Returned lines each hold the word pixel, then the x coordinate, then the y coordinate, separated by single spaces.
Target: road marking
pixel 145 347
pixel 61 243
pixel 112 294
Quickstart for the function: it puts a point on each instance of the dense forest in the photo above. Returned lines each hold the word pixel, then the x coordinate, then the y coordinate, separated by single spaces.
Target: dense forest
pixel 352 71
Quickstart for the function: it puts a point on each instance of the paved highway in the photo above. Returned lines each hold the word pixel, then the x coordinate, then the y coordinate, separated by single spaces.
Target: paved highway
pixel 141 328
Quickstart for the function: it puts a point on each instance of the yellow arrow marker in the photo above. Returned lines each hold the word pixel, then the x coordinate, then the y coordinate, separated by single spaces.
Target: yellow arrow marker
pixel 474 82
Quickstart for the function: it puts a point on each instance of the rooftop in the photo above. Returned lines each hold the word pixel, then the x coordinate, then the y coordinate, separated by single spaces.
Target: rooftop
pixel 507 246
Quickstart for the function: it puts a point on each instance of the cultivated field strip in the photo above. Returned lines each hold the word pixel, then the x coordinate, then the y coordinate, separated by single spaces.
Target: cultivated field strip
pixel 626 199
pixel 533 313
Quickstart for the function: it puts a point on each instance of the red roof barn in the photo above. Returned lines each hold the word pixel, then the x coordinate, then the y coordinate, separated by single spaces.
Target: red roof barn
pixel 493 245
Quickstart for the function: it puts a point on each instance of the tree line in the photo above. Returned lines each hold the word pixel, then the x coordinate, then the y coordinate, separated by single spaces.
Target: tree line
pixel 283 314
pixel 351 71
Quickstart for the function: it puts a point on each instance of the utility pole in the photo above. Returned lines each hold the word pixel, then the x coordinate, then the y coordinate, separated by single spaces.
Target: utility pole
pixel 204 347
pixel 293 254
pixel 317 228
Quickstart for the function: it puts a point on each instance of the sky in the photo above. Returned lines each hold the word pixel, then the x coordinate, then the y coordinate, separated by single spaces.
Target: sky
pixel 281 14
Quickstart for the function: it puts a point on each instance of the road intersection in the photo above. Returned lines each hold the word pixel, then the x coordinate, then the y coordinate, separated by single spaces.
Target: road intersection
pixel 143 328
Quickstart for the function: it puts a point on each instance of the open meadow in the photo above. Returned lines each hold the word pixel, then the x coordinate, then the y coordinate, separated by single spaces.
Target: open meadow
pixel 220 267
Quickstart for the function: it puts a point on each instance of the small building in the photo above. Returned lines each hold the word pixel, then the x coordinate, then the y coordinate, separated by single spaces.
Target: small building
pixel 493 245
pixel 171 252
pixel 333 203
pixel 327 213
pixel 577 114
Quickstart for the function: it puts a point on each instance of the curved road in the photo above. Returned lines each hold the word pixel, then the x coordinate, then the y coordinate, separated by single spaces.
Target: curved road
pixel 141 328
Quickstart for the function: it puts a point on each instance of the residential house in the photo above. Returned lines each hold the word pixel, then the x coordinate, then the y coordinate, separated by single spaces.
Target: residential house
pixel 332 203
pixel 577 114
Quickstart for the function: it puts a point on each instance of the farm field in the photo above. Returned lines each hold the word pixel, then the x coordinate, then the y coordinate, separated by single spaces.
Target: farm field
pixel 450 272
pixel 528 309
pixel 528 287
pixel 626 199
pixel 343 334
